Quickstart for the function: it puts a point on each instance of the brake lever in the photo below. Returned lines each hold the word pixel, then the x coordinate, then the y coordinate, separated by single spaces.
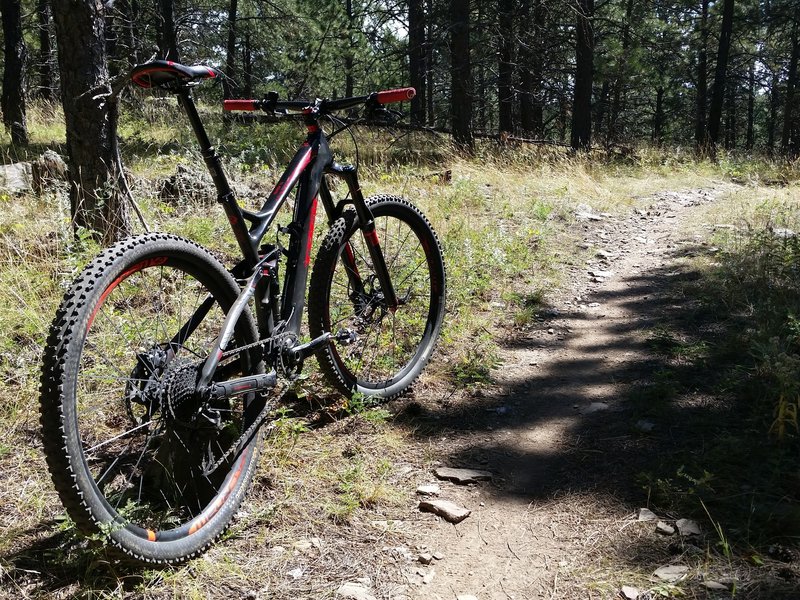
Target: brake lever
pixel 380 115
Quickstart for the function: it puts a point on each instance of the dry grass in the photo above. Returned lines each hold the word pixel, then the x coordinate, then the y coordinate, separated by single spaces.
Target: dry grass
pixel 333 503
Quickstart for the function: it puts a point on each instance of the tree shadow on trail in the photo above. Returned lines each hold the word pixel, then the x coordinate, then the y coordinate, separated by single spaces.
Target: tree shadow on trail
pixel 670 409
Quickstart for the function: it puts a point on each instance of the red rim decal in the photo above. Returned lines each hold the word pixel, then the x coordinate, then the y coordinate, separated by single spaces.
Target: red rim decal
pixel 150 262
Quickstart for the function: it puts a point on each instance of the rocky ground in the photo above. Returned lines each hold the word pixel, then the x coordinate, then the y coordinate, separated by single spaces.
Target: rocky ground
pixel 555 510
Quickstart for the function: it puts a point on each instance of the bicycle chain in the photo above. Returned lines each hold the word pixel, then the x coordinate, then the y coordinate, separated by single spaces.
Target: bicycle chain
pixel 240 349
pixel 246 435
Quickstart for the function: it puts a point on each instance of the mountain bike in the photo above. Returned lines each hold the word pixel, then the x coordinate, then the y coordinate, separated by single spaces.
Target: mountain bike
pixel 162 365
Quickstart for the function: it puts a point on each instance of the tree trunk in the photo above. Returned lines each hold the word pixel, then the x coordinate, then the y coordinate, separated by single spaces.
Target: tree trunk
pixel 46 86
pixel 349 59
pixel 581 132
pixel 789 140
pixel 90 120
pixel 230 56
pixel 720 72
pixel 247 66
pixel 730 117
pixel 622 76
pixel 505 67
pixel 751 107
pixel 129 13
pixel 531 104
pixel 600 109
pixel 658 117
pixel 460 75
pixel 12 101
pixel 429 65
pixel 774 104
pixel 700 128
pixel 167 32
pixel 416 58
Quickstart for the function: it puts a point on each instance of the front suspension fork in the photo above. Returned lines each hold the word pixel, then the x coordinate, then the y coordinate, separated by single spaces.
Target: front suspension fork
pixel 367 225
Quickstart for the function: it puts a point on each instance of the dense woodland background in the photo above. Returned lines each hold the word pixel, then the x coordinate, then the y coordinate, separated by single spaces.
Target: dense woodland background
pixel 578 71
pixel 613 73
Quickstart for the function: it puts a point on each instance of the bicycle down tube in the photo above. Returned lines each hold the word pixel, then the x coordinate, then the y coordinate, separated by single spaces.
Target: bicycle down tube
pixel 306 170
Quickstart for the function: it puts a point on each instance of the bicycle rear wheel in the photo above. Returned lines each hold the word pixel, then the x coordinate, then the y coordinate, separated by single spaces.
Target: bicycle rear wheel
pixel 390 347
pixel 128 442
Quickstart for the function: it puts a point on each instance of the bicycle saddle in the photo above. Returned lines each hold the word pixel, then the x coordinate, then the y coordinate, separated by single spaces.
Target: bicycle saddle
pixel 162 72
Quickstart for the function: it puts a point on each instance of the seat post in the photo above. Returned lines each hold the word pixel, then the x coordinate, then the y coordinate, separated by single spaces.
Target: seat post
pixel 225 195
pixel 207 151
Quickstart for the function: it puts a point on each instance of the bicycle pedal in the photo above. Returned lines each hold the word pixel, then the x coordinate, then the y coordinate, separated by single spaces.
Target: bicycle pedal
pixel 346 337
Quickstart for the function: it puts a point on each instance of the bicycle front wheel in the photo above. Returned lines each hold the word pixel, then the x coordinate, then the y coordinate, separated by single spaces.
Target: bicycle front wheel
pixel 388 347
pixel 131 447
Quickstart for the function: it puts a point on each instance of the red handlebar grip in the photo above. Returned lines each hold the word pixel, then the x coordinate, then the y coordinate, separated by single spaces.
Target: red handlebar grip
pixel 239 105
pixel 401 95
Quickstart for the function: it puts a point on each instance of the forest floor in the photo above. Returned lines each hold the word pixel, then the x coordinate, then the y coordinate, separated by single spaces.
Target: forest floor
pixel 608 394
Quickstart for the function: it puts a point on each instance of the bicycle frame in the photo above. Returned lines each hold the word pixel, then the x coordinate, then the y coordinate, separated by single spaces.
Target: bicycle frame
pixel 306 171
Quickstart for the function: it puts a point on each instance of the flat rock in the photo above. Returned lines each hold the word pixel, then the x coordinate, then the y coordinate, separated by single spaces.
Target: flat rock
pixel 16 178
pixel 687 527
pixel 645 426
pixel 425 558
pixel 671 573
pixel 449 511
pixel 428 490
pixel 664 528
pixel 645 514
pixel 587 216
pixel 428 577
pixel 783 232
pixel 462 475
pixel 714 585
pixel 601 273
pixel 629 592
pixel 596 407
pixel 354 591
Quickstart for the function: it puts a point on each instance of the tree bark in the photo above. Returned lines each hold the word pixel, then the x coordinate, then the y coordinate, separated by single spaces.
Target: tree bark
pixel 581 131
pixel 12 101
pixel 751 107
pixel 349 59
pixel 129 14
pixel 429 63
pixel 789 140
pixel 531 100
pixel 45 66
pixel 460 76
pixel 230 55
pixel 622 76
pixel 730 117
pixel 774 104
pixel 90 119
pixel 417 58
pixel 700 123
pixel 658 117
pixel 505 67
pixel 167 31
pixel 247 66
pixel 600 109
pixel 720 73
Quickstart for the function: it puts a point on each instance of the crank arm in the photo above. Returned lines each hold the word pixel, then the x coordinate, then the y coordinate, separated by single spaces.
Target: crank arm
pixel 303 351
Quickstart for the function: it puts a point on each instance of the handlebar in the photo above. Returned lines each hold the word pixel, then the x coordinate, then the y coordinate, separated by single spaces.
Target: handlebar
pixel 272 103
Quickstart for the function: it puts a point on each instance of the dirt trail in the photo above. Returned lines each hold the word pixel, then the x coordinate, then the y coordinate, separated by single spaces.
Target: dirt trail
pixel 556 433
